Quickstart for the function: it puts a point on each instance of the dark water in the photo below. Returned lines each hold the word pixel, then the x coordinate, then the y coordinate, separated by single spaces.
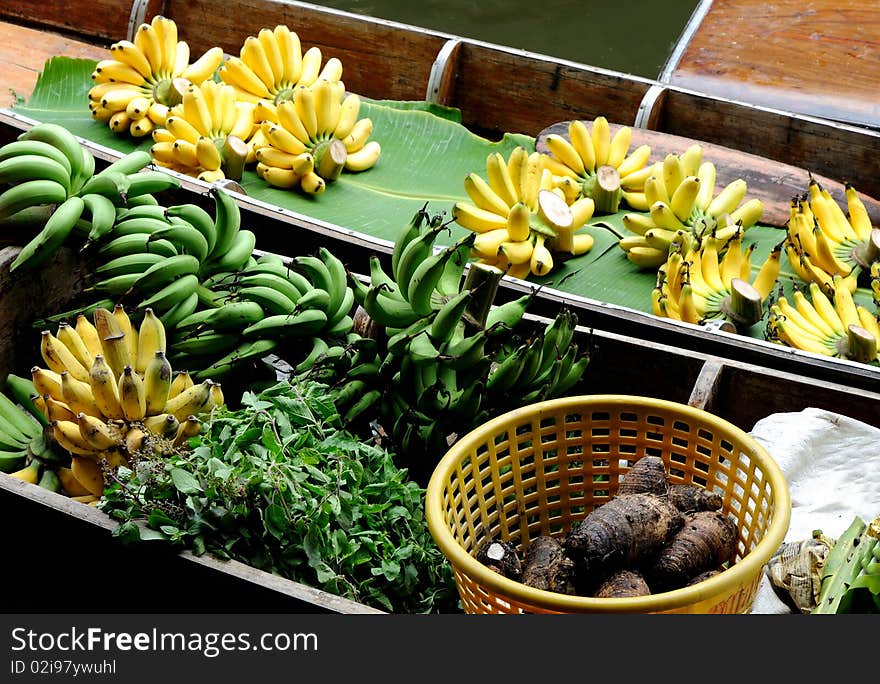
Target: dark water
pixel 633 36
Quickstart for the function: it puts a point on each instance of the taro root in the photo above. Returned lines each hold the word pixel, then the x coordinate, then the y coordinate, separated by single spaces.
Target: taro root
pixel 623 584
pixel 620 534
pixel 501 557
pixel 706 540
pixel 689 498
pixel 703 576
pixel 546 566
pixel 647 476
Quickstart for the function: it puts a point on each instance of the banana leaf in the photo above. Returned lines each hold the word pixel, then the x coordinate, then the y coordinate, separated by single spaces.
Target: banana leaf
pixel 426 153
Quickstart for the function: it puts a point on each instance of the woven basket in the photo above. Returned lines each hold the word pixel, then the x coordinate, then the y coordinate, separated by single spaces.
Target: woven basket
pixel 540 469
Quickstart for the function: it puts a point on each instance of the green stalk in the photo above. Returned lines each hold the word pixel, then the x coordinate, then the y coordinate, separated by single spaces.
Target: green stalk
pixel 840 569
pixel 743 306
pixel 483 280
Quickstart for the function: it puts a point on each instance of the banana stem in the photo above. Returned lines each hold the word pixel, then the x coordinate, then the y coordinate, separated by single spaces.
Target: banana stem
pixel 607 192
pixel 233 151
pixel 330 159
pixel 743 306
pixel 859 344
pixel 483 280
pixel 866 253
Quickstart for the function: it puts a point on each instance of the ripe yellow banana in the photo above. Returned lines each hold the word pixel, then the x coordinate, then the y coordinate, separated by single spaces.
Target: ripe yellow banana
pixel 59 358
pixel 105 389
pixel 131 395
pixel 478 220
pixel 620 143
pixel 364 158
pixel 565 153
pixel 600 134
pixel 151 339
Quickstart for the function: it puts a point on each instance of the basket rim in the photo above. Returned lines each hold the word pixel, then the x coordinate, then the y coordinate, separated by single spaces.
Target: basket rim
pixel 721 585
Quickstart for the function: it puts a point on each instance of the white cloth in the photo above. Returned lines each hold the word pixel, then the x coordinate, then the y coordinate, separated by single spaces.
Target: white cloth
pixel 832 465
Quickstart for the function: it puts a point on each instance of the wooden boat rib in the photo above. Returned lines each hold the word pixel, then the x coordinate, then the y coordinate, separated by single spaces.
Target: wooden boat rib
pixel 389 60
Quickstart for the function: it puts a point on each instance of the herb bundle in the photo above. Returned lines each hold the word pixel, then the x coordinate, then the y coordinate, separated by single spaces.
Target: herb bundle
pixel 279 485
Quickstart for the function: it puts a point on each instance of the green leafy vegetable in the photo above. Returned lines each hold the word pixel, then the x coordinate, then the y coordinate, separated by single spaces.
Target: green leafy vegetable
pixel 279 485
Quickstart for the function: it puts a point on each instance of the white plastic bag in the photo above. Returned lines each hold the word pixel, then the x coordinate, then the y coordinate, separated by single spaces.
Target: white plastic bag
pixel 832 465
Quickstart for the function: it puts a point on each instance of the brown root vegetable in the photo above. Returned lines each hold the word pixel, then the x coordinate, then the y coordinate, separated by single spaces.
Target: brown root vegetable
pixel 707 540
pixel 647 476
pixel 703 576
pixel 620 533
pixel 501 557
pixel 689 498
pixel 623 584
pixel 546 566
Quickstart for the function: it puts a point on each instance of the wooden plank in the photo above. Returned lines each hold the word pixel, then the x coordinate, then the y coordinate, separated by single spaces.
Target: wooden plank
pixel 504 90
pixel 773 182
pixel 20 67
pixel 199 581
pixel 816 58
pixel 381 59
pixel 103 21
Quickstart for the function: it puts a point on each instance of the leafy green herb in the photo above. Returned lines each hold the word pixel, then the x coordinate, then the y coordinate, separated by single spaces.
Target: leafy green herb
pixel 278 484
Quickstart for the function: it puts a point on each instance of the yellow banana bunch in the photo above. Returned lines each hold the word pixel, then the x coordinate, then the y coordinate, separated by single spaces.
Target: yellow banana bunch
pixel 523 218
pixel 135 86
pixel 310 139
pixel 599 164
pixel 830 324
pixel 272 64
pixel 679 195
pixel 875 284
pixel 825 241
pixel 208 135
pixel 700 284
pixel 110 396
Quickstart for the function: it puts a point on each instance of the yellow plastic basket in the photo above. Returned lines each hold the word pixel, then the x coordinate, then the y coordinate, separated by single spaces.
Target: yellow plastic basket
pixel 541 468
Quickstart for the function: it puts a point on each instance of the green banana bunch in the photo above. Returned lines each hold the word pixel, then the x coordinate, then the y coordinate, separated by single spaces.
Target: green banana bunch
pixel 680 199
pixel 21 429
pixel 446 360
pixel 48 168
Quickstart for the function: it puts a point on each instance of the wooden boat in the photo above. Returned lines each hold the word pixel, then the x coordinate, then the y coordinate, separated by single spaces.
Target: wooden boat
pixel 737 378
pixel 52 526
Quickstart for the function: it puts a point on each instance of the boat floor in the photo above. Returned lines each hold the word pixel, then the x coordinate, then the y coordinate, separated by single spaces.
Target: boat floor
pixel 24 51
pixel 815 58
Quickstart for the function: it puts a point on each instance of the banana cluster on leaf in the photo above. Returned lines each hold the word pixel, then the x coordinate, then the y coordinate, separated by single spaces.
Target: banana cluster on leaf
pixel 522 219
pixel 309 139
pixel 109 393
pixel 713 281
pixel 829 324
pixel 679 196
pixel 434 357
pixel 824 241
pixel 135 87
pixel 600 165
pixel 271 65
pixel 207 135
pixel 50 183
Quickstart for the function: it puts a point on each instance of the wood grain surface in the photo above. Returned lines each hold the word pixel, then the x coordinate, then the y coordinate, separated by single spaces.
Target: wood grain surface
pixel 24 51
pixel 816 58
pixel 773 182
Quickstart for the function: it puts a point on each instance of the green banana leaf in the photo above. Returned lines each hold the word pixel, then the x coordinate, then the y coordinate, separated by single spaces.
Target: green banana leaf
pixel 426 153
